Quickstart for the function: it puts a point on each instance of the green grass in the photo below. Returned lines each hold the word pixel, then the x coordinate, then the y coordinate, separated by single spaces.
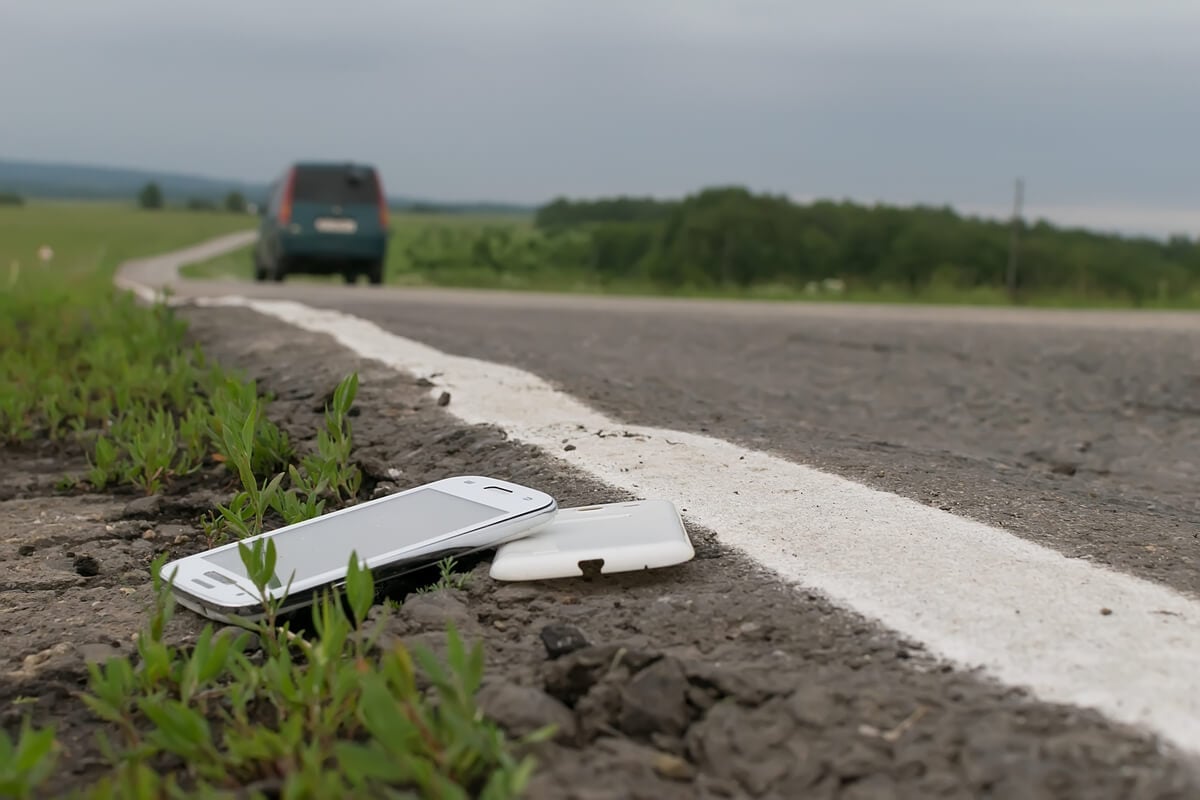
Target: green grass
pixel 328 713
pixel 89 240
pixel 80 361
pixel 438 250
pixel 409 231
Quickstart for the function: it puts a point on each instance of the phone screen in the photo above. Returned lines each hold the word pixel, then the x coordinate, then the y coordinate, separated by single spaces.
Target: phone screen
pixel 370 531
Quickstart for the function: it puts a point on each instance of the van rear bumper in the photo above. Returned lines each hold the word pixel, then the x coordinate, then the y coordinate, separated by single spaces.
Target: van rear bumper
pixel 332 247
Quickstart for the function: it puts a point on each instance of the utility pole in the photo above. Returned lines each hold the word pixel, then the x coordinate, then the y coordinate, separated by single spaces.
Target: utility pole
pixel 1014 240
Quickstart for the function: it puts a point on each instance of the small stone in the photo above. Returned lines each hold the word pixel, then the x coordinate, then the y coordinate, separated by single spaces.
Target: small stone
pixel 383 489
pixel 424 383
pixel 98 652
pixel 569 448
pixel 673 767
pixel 143 506
pixel 571 677
pixel 521 710
pixel 87 566
pixel 26 550
pixel 444 399
pixel 182 539
pixel 655 700
pixel 1106 612
pixel 561 639
pixel 149 534
pixel 33 663
pixel 433 610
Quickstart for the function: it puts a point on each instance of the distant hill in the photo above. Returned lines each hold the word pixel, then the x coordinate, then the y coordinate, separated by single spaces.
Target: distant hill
pixel 80 182
pixel 55 181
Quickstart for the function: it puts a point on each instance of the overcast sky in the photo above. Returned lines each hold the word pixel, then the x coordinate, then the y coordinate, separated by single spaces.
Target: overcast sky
pixel 934 101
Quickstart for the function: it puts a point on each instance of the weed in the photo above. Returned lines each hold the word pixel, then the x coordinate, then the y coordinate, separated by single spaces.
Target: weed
pixel 193 433
pixel 27 762
pixel 448 578
pixel 104 463
pixel 289 504
pixel 329 714
pixel 253 447
pixel 152 451
pixel 330 466
pixel 266 448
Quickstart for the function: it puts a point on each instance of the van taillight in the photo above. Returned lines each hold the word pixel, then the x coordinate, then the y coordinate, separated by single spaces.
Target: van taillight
pixel 383 209
pixel 285 204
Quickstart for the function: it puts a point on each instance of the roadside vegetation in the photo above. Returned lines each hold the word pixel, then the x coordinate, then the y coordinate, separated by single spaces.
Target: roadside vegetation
pixel 285 708
pixel 728 242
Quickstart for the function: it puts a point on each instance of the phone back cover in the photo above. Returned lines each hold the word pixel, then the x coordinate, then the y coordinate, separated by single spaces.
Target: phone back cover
pixel 627 536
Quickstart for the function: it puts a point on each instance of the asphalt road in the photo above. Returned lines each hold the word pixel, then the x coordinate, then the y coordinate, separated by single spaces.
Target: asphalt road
pixel 1076 430
pixel 1079 430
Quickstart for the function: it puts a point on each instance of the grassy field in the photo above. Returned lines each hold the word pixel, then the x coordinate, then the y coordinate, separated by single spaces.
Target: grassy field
pixel 444 250
pixel 424 249
pixel 89 240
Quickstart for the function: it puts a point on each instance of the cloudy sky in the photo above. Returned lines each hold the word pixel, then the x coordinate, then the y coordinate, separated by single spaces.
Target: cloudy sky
pixel 934 101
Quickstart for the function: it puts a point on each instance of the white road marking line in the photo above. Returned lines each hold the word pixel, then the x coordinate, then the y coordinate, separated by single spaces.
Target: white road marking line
pixel 975 595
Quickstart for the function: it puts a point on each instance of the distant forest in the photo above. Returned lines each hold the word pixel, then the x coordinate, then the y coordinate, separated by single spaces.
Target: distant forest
pixel 28 180
pixel 731 237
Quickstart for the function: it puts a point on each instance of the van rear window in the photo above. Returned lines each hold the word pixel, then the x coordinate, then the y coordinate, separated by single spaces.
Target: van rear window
pixel 335 185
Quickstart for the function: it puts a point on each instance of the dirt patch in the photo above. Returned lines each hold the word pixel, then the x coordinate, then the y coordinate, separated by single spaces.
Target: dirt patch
pixel 710 679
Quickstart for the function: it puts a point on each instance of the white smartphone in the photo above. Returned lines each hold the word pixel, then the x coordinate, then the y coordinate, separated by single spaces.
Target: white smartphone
pixel 615 537
pixel 446 517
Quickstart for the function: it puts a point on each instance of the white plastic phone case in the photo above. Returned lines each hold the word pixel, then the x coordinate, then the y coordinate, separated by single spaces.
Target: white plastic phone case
pixel 625 537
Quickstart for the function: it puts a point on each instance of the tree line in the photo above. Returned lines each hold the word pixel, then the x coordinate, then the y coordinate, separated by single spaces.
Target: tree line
pixel 732 237
pixel 151 198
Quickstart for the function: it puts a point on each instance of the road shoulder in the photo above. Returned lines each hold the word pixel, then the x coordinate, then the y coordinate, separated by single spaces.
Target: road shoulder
pixel 710 679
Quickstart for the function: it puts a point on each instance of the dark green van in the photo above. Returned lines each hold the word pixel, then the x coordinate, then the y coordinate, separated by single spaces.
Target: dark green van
pixel 324 219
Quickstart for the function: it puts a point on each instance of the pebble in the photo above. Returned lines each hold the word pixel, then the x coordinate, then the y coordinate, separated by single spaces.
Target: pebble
pixel 560 639
pixel 87 566
pixel 673 767
pixel 521 710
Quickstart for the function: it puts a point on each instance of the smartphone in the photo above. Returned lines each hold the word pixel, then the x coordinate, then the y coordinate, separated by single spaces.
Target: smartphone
pixel 615 537
pixel 387 535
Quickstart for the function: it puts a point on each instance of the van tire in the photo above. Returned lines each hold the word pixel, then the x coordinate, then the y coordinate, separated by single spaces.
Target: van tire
pixel 350 277
pixel 280 271
pixel 375 273
pixel 260 271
